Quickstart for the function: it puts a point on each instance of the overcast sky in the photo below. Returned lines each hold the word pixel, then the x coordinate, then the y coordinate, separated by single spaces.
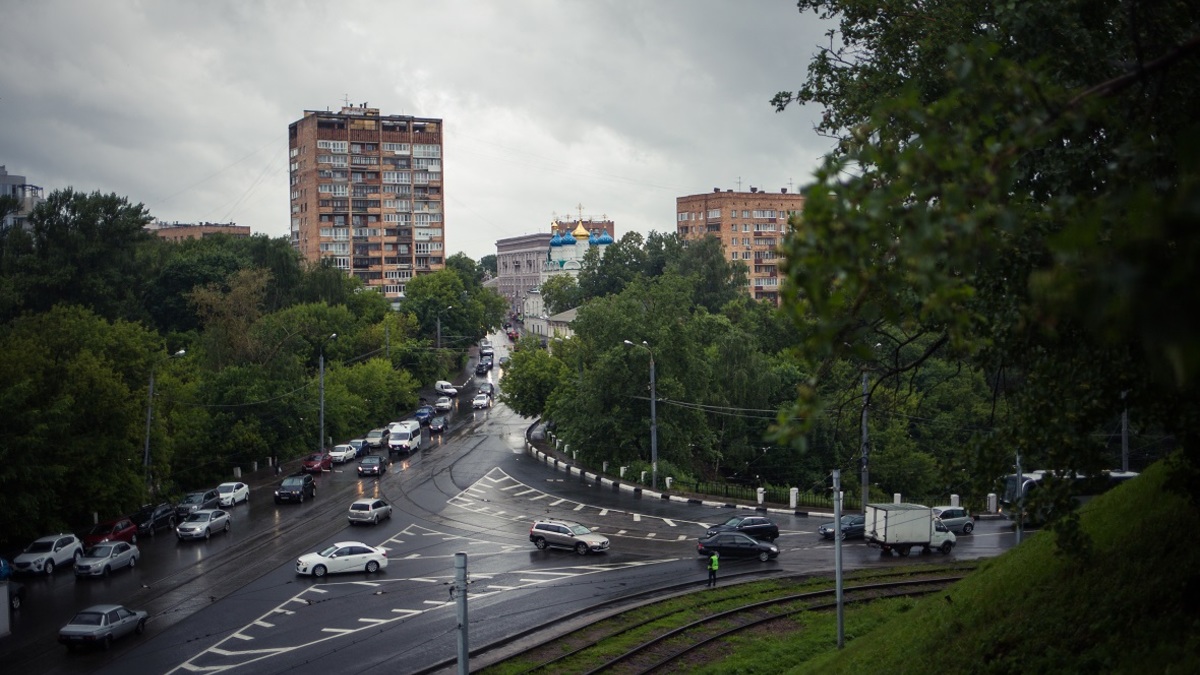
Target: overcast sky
pixel 620 106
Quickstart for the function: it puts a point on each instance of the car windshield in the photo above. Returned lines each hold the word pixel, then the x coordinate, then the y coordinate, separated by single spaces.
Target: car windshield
pixel 315 458
pixel 292 482
pixel 375 434
pixel 579 529
pixel 226 488
pixel 370 460
pixel 99 552
pixel 197 518
pixel 40 547
pixel 734 521
pixel 144 512
pixel 88 619
pixel 328 551
pixel 102 528
pixel 360 507
pixel 195 498
pixel 850 520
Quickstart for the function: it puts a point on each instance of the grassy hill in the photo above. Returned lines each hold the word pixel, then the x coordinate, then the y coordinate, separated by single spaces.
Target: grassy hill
pixel 1133 606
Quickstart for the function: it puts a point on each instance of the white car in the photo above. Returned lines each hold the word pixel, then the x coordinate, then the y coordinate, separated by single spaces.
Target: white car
pixel 344 556
pixel 444 388
pixel 443 404
pixel 201 524
pixel 340 454
pixel 481 401
pixel 233 493
pixel 369 511
pixel 44 554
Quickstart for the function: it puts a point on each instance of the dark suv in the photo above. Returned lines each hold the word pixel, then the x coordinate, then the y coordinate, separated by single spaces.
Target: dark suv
pixel 150 518
pixel 296 489
pixel 755 526
pixel 195 501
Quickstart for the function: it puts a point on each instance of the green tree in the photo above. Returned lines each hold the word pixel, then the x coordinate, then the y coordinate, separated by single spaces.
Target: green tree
pixel 531 378
pixel 560 293
pixel 488 265
pixel 1013 186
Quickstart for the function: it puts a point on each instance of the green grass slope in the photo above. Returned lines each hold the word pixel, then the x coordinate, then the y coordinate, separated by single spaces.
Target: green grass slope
pixel 1132 607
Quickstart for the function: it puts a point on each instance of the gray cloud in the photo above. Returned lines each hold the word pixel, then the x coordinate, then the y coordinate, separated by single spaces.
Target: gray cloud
pixel 620 106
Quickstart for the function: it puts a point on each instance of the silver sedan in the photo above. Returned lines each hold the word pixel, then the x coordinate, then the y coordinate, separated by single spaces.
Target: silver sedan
pixel 102 559
pixel 202 524
pixel 99 625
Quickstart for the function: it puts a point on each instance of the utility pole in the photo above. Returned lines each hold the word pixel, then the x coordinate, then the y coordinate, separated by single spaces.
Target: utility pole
pixel 149 416
pixel 837 556
pixel 321 362
pixel 460 597
pixel 1020 498
pixel 1124 434
pixel 866 446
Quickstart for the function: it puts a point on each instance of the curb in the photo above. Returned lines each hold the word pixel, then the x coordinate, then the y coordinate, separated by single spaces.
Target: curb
pixel 638 491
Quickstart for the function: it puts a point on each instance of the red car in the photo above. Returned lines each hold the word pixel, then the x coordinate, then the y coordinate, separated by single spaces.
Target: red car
pixel 318 462
pixel 120 529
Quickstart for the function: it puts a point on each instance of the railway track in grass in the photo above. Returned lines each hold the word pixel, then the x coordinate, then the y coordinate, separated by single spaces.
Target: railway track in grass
pixel 656 637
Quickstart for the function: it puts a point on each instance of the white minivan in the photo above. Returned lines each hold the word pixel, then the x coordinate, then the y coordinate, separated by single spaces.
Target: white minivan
pixel 404 436
pixel 444 388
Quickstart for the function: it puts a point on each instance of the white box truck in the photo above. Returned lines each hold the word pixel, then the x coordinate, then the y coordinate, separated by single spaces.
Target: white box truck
pixel 902 527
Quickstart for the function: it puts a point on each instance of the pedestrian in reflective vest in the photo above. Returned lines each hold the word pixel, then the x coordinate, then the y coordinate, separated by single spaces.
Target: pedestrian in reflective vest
pixel 713 564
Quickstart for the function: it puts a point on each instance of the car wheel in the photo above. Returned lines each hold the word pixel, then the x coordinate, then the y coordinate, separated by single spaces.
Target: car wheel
pixel 107 570
pixel 301 496
pixel 376 520
pixel 581 548
pixel 49 567
pixel 14 602
pixel 106 644
pixel 540 542
pixel 141 627
pixel 903 550
pixel 227 527
pixel 319 571
pixel 133 562
pixel 207 533
pixel 763 556
pixel 946 546
pixel 153 531
pixel 968 527
pixel 171 522
pixel 133 540
pixel 372 567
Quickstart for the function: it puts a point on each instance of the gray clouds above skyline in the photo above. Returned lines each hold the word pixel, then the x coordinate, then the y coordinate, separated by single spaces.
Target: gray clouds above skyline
pixel 621 106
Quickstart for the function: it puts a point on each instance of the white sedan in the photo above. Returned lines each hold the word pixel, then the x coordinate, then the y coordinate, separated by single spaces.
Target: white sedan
pixel 233 493
pixel 481 401
pixel 443 404
pixel 340 454
pixel 344 556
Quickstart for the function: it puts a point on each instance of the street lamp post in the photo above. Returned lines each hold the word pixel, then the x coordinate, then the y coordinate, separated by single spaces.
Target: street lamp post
pixel 149 418
pixel 321 387
pixel 653 417
pixel 439 325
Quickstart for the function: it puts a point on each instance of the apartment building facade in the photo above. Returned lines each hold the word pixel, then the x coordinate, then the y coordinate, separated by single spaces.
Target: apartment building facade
pixel 27 196
pixel 524 262
pixel 751 226
pixel 366 194
pixel 176 231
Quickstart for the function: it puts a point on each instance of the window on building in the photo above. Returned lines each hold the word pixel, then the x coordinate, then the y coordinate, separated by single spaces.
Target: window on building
pixel 339 147
pixel 426 150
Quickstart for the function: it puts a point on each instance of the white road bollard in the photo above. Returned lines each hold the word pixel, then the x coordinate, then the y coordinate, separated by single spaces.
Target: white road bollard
pixel 993 502
pixel 623 471
pixel 237 472
pixel 643 477
pixel 254 466
pixel 669 480
pixel 794 498
pixel 895 497
pixel 761 493
pixel 605 467
pixel 953 500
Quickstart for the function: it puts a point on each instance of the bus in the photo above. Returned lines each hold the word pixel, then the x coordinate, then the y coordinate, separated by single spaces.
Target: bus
pixel 1018 489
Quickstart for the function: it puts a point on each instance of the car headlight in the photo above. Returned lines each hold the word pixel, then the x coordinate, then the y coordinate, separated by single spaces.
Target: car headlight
pixel 277 493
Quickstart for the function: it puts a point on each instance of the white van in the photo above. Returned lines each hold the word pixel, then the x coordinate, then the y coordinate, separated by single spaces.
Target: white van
pixel 444 388
pixel 404 436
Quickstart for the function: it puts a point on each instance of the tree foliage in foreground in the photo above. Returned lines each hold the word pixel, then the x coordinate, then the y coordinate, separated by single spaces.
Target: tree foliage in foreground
pixel 1016 185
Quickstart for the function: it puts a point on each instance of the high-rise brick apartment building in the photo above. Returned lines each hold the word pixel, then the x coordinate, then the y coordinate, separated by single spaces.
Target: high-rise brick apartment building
pixel 750 225
pixel 366 193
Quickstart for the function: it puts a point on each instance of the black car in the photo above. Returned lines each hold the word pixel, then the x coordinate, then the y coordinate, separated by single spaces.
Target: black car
pixel 487 388
pixel 150 518
pixel 372 465
pixel 296 489
pixel 736 545
pixel 755 526
pixel 16 595
pixel 481 369
pixel 852 528
pixel 487 360
pixel 437 425
pixel 196 501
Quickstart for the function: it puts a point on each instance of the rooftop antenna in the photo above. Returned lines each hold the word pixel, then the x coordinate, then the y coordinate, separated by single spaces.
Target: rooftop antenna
pixel 789 185
pixel 346 100
pixel 739 183
pixel 580 207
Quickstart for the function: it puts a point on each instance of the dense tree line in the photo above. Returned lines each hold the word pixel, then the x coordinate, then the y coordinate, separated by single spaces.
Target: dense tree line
pixel 93 308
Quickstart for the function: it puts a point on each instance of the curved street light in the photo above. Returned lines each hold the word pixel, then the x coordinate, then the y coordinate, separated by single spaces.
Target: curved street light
pixel 149 418
pixel 321 364
pixel 653 416
pixel 439 324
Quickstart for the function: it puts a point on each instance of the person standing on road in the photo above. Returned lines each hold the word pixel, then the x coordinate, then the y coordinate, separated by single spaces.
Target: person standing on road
pixel 713 564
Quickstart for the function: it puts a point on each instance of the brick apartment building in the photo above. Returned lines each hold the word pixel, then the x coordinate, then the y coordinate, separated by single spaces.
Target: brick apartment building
pixel 750 225
pixel 366 194
pixel 177 232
